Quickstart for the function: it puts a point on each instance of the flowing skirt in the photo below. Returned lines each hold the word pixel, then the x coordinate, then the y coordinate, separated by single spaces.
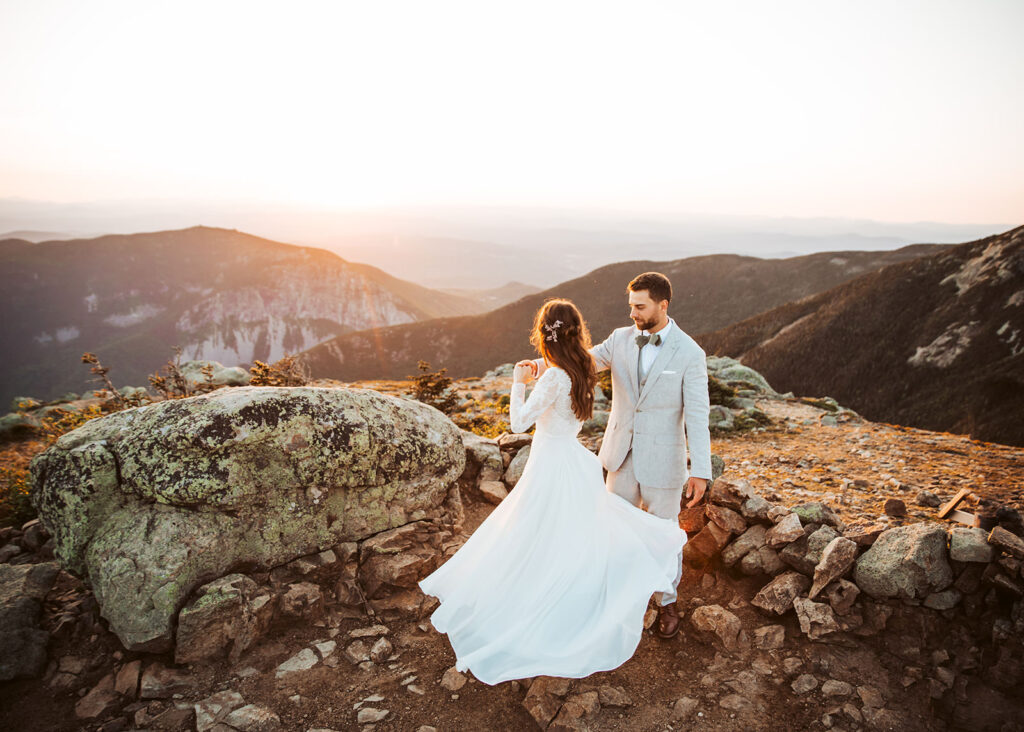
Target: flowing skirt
pixel 557 579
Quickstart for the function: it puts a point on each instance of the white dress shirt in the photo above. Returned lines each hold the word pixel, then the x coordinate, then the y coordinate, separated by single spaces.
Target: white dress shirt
pixel 650 352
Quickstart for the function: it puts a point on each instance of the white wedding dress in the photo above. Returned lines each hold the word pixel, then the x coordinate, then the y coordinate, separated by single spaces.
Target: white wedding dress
pixel 556 580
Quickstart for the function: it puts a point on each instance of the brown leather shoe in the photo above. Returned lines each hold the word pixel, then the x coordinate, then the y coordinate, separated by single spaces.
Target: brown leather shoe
pixel 668 621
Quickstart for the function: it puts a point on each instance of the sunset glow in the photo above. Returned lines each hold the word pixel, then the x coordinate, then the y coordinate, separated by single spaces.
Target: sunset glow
pixel 892 111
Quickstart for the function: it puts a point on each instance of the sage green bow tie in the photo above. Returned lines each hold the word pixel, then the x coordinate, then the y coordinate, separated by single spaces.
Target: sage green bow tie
pixel 642 340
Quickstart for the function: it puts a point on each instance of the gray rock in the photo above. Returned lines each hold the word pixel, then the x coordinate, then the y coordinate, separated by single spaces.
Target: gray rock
pixel 515 468
pixel 493 491
pixel 736 374
pixel 777 596
pixel 22 641
pixel 908 562
pixel 148 502
pixel 927 498
pixel 841 595
pixel 817 541
pixel 756 509
pixel 224 618
pixel 221 375
pixel 684 708
pixel 717 621
pixel 763 560
pixel 160 682
pixel 836 560
pixel 768 637
pixel 101 699
pixel 253 718
pixel 751 539
pixel 370 715
pixel 804 683
pixel 945 600
pixel 720 418
pixel 816 512
pixel 816 618
pixel 301 661
pixel 970 544
pixel 213 708
pixel 835 687
pixel 787 530
pixel 453 679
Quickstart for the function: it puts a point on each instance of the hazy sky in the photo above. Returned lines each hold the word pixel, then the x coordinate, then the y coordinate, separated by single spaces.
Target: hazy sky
pixel 897 110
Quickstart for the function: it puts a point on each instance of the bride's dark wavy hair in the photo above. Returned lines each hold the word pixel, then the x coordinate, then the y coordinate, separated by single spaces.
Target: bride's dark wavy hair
pixel 569 348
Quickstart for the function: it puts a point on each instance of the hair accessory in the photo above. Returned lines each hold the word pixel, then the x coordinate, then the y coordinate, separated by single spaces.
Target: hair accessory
pixel 553 330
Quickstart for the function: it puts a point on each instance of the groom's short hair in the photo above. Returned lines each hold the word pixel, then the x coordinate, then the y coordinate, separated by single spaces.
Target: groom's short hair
pixel 656 284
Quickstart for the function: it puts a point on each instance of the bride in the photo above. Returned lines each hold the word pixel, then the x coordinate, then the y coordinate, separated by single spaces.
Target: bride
pixel 556 580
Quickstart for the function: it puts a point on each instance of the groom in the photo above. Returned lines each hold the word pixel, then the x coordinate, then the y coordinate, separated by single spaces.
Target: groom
pixel 659 384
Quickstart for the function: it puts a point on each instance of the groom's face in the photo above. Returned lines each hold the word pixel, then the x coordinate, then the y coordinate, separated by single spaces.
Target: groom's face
pixel 645 312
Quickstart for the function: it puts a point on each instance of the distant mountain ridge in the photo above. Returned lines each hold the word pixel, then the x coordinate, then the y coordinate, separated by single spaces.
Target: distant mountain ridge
pixel 711 292
pixel 936 342
pixel 219 293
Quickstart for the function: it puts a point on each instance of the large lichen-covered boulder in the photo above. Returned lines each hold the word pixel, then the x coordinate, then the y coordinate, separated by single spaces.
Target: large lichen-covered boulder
pixel 149 503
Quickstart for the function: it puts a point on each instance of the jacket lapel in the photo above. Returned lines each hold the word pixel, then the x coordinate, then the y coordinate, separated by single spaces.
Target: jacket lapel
pixel 668 349
pixel 633 354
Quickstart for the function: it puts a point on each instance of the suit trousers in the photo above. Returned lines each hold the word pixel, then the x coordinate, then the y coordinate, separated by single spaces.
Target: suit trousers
pixel 662 502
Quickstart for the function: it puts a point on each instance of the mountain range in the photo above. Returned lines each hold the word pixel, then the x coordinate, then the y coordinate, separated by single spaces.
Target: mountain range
pixel 218 293
pixel 936 342
pixel 711 292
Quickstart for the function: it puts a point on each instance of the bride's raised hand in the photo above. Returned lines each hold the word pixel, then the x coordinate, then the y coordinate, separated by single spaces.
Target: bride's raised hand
pixel 523 372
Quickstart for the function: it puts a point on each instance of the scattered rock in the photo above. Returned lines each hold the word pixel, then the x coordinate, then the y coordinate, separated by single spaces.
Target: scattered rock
pixel 613 696
pixel 493 491
pixel 894 507
pixel 253 718
pixel 716 620
pixel 301 661
pixel 816 618
pixel 836 560
pixel 22 641
pixel 834 687
pixel 101 699
pixel 927 498
pixel 453 679
pixel 777 596
pixel 841 595
pixel 213 708
pixel 768 637
pixel 160 682
pixel 380 650
pixel 750 540
pixel 804 683
pixel 787 530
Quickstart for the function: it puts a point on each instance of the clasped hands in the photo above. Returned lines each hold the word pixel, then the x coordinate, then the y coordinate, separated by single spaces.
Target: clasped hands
pixel 526 371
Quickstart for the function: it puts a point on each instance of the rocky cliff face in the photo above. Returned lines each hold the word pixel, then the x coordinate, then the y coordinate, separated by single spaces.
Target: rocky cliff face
pixel 220 294
pixel 937 342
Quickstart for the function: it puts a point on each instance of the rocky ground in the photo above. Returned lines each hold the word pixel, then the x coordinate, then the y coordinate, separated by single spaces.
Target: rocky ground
pixel 906 667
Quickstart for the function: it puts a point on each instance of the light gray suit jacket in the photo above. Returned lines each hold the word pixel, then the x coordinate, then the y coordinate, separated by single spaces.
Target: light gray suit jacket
pixel 651 421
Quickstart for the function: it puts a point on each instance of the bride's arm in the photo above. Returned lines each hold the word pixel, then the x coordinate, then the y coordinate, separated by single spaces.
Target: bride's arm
pixel 524 412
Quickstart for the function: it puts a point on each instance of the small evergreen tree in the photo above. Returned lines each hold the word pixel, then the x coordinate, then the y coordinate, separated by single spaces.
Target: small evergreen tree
pixel 434 388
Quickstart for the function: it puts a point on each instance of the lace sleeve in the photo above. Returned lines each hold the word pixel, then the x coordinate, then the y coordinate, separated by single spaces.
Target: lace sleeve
pixel 522 415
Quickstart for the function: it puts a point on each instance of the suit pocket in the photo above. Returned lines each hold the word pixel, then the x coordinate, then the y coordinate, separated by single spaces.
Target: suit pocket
pixel 670 439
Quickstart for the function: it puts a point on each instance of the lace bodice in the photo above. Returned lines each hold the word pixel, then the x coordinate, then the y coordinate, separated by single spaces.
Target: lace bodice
pixel 549 405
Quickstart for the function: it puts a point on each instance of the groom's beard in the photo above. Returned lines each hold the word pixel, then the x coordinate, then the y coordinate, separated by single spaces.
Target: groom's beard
pixel 645 324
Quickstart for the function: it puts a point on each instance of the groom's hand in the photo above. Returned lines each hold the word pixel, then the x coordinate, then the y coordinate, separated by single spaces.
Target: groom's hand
pixel 695 487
